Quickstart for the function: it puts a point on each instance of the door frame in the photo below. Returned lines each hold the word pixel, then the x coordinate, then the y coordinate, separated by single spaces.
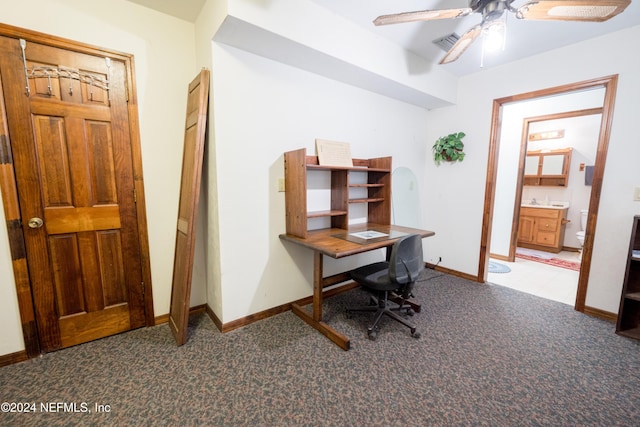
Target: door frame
pixel 609 83
pixel 9 184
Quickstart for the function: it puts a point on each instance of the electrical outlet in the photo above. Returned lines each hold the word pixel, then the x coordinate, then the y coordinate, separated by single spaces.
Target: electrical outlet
pixel 636 194
pixel 281 184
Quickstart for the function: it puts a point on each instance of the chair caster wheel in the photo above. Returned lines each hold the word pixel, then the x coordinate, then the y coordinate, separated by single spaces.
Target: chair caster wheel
pixel 411 312
pixel 372 335
pixel 416 335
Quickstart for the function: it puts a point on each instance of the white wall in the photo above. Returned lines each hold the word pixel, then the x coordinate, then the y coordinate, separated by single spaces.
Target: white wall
pixel 457 191
pixel 264 108
pixel 165 63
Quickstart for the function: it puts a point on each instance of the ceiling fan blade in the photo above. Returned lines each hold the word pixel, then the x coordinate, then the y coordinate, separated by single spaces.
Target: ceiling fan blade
pixel 570 10
pixel 461 45
pixel 421 15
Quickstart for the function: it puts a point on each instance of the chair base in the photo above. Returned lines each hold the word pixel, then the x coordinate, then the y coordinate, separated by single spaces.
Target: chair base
pixel 380 306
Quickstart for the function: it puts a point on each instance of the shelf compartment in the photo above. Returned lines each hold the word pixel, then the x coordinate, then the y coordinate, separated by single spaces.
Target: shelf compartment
pixel 320 214
pixel 633 296
pixel 629 316
pixel 367 200
pixel 373 189
pixel 630 333
pixel 359 165
pixel 350 169
pixel 628 323
pixel 372 186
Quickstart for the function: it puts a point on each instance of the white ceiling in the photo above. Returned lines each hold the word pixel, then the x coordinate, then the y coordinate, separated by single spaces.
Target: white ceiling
pixel 524 38
pixel 183 9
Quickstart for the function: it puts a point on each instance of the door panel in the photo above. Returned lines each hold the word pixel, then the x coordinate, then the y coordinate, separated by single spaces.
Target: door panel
pixel 192 157
pixel 73 161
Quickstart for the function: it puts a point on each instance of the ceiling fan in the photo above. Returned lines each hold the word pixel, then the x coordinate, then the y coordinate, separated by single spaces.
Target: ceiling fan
pixel 492 12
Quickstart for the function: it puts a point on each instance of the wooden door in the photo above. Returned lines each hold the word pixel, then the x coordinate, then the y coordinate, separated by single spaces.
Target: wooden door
pixel 193 153
pixel 69 128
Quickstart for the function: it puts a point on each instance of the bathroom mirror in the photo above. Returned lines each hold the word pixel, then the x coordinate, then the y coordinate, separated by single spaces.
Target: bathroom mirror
pixel 531 165
pixel 547 168
pixel 553 164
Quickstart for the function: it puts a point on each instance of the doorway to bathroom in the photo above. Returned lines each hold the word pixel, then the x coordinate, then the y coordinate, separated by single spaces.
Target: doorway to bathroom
pixel 559 150
pixel 532 108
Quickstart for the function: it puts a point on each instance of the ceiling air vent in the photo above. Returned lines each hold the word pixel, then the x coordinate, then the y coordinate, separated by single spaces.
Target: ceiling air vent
pixel 446 42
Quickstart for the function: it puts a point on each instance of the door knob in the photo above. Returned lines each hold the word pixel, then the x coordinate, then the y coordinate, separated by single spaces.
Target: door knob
pixel 35 222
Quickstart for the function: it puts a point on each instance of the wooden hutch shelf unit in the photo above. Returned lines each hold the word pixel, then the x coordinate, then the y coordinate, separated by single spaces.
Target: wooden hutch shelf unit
pixel 628 324
pixel 378 188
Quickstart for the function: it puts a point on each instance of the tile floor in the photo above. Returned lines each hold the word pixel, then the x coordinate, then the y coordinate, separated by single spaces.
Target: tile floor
pixel 546 281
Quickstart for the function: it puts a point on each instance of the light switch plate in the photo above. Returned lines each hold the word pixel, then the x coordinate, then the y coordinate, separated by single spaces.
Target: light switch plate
pixel 636 194
pixel 281 184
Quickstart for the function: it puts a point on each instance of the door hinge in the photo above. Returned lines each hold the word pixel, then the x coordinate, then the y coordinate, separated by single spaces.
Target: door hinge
pixel 142 287
pixel 135 196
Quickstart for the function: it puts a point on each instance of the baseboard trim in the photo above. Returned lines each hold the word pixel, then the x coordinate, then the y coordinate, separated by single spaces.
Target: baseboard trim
pixel 453 272
pixel 601 314
pixel 159 320
pixel 21 356
pixel 500 257
pixel 247 320
pixel 10 359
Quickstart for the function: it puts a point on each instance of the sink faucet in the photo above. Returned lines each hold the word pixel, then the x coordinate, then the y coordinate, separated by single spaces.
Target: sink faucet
pixel 533 201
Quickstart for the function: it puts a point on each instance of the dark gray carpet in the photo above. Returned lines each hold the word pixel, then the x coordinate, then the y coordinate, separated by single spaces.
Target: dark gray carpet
pixel 488 356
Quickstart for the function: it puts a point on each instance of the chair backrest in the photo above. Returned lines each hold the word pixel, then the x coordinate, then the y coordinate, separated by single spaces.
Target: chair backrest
pixel 406 262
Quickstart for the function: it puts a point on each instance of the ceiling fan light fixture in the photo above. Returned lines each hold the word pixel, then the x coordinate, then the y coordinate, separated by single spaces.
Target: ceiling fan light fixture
pixel 494 35
pixel 494 13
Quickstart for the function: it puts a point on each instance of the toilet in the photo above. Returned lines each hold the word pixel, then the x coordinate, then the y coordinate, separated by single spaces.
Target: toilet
pixel 580 234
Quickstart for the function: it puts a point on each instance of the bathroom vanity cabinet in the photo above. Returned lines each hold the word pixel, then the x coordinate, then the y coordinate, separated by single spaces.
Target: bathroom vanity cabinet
pixel 628 323
pixel 542 228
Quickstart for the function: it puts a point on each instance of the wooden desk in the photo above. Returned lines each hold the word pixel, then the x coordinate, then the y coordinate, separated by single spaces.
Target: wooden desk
pixel 333 242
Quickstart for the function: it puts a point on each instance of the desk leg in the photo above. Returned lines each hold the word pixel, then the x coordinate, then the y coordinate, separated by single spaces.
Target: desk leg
pixel 318 267
pixel 315 319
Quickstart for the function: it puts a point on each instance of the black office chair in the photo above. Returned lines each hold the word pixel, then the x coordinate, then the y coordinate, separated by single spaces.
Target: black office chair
pixel 392 281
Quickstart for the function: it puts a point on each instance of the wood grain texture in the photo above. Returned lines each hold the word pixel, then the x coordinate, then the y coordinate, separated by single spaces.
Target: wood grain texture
pixel 67 112
pixel 192 159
